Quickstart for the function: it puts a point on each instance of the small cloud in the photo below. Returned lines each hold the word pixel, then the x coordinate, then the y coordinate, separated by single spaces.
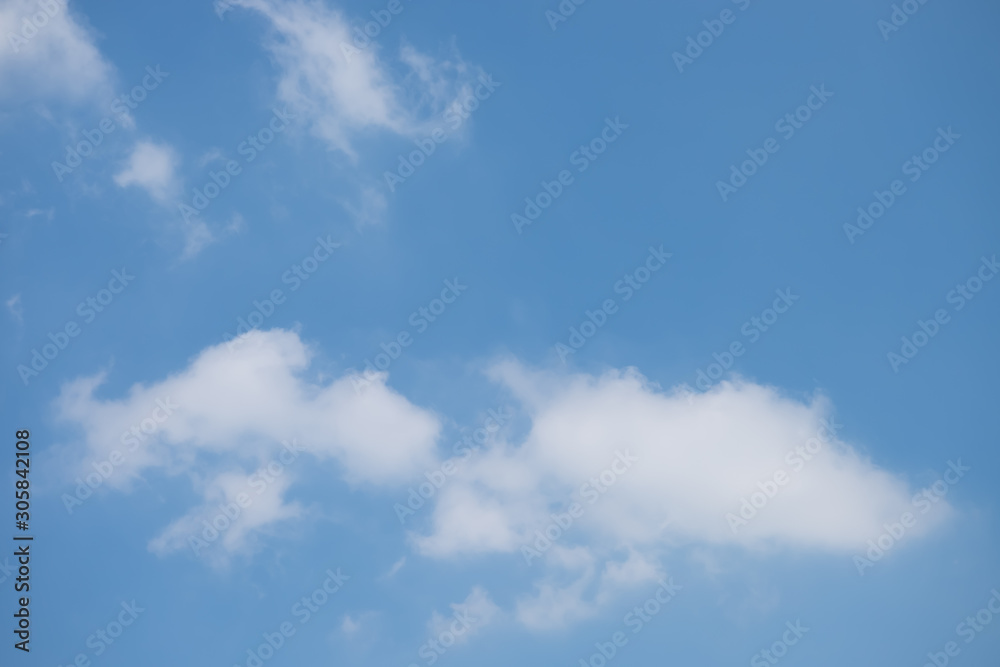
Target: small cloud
pixel 126 119
pixel 236 224
pixel 209 157
pixel 369 209
pixel 557 605
pixel 396 567
pixel 197 236
pixel 474 613
pixel 151 166
pixel 49 213
pixel 268 509
pixel 360 627
pixel 15 308
pixel 350 626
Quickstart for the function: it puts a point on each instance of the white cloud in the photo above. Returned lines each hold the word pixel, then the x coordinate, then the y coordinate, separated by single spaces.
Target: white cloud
pixel 349 626
pixel 396 567
pixel 477 610
pixel 343 96
pixel 556 605
pixel 16 308
pixel 210 156
pixel 197 236
pixel 360 625
pixel 236 224
pixel 233 407
pixel 152 167
pixel 49 213
pixel 236 532
pixel 683 461
pixel 247 399
pixel 50 54
pixel 369 209
pixel 697 456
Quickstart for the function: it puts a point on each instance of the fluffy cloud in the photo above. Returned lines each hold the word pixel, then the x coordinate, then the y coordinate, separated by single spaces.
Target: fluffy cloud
pixel 613 465
pixel 50 54
pixel 230 409
pixel 611 474
pixel 152 167
pixel 344 95
pixel 684 464
pixel 246 400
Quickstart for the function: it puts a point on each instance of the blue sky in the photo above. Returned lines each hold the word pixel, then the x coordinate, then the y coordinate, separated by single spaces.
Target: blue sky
pixel 702 290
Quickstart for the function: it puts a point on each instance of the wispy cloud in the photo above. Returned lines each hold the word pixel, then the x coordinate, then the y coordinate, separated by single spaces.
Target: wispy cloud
pixel 152 167
pixel 344 98
pixel 15 308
